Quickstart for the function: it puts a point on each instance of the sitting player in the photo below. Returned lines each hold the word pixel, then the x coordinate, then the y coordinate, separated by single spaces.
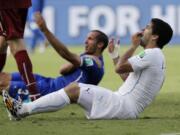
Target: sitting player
pixel 86 68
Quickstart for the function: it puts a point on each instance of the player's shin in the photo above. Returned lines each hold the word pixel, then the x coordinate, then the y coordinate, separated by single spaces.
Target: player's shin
pixel 25 68
pixel 51 102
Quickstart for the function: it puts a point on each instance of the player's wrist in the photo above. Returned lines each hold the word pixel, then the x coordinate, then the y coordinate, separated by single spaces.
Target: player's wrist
pixel 43 29
pixel 134 46
pixel 115 53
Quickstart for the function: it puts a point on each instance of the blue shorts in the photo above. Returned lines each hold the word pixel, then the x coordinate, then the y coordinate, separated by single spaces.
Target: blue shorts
pixel 45 86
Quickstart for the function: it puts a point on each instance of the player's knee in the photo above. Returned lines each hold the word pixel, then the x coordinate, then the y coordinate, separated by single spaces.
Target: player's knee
pixel 3 46
pixel 16 45
pixel 72 91
pixel 5 79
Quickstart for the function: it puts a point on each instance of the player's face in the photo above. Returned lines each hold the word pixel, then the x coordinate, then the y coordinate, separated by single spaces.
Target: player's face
pixel 146 35
pixel 90 43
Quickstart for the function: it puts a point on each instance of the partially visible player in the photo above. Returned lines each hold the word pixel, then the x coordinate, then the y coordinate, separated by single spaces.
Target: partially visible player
pixel 37 35
pixel 85 68
pixel 13 15
pixel 146 74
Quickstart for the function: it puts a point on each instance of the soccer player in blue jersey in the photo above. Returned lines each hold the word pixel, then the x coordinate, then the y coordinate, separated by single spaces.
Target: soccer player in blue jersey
pixel 85 68
pixel 37 36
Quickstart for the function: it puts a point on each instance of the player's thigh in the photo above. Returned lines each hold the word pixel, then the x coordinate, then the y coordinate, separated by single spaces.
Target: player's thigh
pixel 16 45
pixel 13 22
pixel 85 99
pixel 13 25
pixel 3 45
pixel 88 94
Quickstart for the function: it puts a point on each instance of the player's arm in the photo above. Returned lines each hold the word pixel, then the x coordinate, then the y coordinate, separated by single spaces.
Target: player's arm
pixel 66 68
pixel 60 48
pixel 113 50
pixel 88 62
pixel 123 66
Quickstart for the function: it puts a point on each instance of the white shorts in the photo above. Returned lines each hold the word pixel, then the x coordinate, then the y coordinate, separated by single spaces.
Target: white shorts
pixel 101 103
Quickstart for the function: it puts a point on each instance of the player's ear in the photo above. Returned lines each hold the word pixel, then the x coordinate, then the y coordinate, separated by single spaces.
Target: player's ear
pixel 155 37
pixel 100 45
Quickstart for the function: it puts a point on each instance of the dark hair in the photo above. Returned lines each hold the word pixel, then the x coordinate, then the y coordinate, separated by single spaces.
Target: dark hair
pixel 101 37
pixel 163 30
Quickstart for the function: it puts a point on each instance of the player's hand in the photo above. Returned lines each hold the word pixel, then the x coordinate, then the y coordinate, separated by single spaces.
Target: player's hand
pixel 111 45
pixel 136 39
pixel 113 48
pixel 40 21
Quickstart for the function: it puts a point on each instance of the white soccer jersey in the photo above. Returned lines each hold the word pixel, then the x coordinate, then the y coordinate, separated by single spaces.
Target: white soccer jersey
pixel 144 83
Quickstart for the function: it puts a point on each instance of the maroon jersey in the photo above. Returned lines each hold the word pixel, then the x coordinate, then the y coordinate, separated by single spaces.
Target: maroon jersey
pixel 12 4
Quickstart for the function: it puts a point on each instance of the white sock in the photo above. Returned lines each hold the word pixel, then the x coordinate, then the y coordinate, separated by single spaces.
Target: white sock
pixel 48 103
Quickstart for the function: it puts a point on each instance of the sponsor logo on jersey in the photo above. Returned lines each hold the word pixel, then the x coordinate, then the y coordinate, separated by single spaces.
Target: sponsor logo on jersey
pixel 88 61
pixel 142 54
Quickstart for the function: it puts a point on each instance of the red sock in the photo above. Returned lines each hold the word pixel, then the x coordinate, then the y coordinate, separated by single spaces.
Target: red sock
pixel 2 60
pixel 25 68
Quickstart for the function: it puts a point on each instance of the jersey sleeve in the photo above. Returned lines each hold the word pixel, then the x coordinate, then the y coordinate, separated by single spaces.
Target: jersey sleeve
pixel 88 63
pixel 140 61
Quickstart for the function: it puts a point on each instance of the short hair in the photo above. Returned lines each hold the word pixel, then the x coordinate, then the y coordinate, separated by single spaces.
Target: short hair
pixel 101 37
pixel 163 30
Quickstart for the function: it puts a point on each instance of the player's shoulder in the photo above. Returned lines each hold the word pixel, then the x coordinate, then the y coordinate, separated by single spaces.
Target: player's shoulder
pixel 153 52
pixel 155 55
pixel 96 59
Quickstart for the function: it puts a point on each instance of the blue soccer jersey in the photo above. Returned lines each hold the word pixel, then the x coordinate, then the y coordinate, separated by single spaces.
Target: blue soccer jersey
pixel 91 71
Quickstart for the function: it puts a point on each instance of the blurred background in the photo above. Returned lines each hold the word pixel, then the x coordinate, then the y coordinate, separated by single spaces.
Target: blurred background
pixel 71 20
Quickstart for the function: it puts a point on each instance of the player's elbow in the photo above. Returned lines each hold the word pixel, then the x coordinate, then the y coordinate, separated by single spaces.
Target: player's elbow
pixel 119 69
pixel 123 68
pixel 75 61
pixel 62 72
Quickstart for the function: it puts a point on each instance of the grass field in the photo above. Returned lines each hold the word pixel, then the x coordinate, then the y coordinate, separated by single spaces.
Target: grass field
pixel 162 117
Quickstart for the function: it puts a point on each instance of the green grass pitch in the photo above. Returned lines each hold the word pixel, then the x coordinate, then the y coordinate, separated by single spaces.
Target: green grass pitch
pixel 162 117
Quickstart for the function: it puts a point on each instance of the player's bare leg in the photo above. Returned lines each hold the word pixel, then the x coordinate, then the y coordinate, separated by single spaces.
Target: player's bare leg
pixel 3 54
pixel 5 79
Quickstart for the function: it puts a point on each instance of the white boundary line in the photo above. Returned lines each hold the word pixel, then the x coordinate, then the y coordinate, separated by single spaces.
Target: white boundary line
pixel 170 134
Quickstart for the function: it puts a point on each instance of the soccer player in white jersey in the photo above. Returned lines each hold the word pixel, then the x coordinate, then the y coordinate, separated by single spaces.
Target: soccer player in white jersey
pixel 143 74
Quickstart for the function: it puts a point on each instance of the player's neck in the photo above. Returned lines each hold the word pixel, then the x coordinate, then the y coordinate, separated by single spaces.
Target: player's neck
pixel 151 45
pixel 97 54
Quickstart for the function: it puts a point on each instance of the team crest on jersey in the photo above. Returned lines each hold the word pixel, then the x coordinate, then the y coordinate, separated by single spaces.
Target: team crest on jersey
pixel 88 61
pixel 142 54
